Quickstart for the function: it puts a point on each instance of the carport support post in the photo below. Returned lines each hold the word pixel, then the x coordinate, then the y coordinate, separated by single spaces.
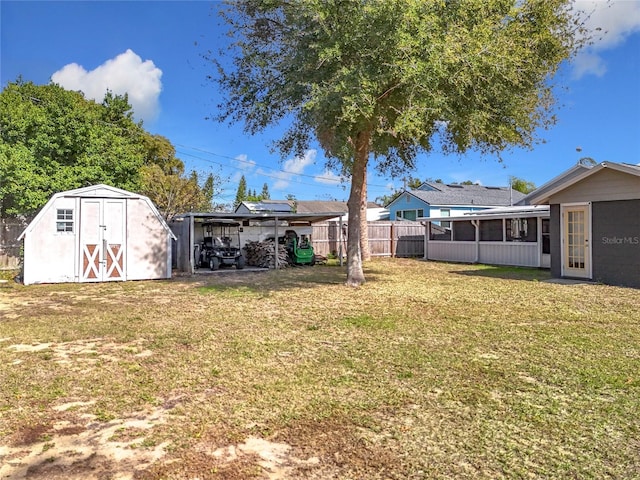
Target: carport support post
pixel 192 269
pixel 340 241
pixel 276 243
pixel 476 226
pixel 427 229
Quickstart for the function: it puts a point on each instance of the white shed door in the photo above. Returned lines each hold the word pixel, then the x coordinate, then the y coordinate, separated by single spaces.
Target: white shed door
pixel 102 240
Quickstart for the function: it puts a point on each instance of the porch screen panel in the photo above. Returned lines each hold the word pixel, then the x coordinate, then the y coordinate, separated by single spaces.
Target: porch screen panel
pixel 464 231
pixel 491 231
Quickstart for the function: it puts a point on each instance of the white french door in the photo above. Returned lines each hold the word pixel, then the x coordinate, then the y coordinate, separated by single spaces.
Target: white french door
pixel 576 239
pixel 102 239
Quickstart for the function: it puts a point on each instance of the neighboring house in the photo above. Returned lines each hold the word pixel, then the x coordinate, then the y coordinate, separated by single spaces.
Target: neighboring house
pixel 595 223
pixel 94 234
pixel 442 200
pixel 374 211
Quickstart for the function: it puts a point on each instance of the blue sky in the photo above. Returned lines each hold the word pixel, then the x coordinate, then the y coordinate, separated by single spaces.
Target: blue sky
pixel 153 50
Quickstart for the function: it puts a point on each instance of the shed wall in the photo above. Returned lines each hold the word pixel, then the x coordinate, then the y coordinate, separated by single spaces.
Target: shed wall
pixel 148 243
pixel 50 256
pixel 603 186
pixel 616 242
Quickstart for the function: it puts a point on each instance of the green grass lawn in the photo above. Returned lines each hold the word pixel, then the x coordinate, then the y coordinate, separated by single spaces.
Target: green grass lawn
pixel 429 370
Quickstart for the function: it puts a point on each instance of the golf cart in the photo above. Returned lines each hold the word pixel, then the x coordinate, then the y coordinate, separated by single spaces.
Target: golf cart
pixel 217 248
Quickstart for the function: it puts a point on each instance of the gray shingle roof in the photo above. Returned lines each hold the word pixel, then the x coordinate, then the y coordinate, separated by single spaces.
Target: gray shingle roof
pixel 443 194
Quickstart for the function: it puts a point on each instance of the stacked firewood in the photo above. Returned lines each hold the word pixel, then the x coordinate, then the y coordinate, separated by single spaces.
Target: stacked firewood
pixel 263 254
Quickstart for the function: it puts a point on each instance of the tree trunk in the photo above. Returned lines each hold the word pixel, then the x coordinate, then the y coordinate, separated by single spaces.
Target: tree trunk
pixel 355 275
pixel 364 226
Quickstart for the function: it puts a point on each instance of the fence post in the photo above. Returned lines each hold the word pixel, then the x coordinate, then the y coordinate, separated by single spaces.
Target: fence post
pixel 392 240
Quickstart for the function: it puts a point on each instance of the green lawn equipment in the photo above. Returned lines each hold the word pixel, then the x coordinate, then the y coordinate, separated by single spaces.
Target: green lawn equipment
pixel 299 248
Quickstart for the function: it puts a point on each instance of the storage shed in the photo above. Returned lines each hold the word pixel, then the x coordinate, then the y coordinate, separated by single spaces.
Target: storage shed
pixel 96 234
pixel 595 223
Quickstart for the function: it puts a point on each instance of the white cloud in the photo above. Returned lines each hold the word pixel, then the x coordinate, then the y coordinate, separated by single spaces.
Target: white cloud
pixel 126 73
pixel 611 23
pixel 329 178
pixel 243 163
pixel 292 167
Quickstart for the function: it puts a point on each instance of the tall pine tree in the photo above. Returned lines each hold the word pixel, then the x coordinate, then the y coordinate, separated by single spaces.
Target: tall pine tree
pixel 241 193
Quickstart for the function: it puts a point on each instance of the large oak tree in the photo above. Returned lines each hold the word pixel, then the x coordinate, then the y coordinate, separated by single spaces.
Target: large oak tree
pixel 389 78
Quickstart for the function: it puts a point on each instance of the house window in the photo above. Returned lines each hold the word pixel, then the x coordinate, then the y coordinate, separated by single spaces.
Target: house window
pixel 64 220
pixel 445 212
pixel 409 214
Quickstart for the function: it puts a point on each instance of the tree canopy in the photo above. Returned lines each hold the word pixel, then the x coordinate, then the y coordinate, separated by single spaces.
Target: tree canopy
pixel 243 194
pixel 52 140
pixel 389 78
pixel 522 185
pixel 164 181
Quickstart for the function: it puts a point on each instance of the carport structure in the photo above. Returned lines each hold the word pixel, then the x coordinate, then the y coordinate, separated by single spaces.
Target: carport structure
pixel 186 229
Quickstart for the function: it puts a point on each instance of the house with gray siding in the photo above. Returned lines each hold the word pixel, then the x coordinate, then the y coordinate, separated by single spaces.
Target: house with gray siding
pixel 595 223
pixel 582 224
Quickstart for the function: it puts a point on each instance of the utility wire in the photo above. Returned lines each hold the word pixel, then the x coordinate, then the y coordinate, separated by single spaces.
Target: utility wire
pixel 253 163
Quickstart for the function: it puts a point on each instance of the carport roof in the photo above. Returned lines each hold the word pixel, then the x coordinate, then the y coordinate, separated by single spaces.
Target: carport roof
pixel 263 216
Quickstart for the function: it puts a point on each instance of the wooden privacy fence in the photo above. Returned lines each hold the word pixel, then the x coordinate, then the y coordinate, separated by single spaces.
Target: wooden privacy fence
pixel 386 239
pixel 10 230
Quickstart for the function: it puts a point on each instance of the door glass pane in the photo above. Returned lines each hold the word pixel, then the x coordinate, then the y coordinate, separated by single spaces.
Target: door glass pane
pixel 576 251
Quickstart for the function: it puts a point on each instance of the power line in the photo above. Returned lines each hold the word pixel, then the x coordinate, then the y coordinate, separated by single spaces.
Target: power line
pixel 253 163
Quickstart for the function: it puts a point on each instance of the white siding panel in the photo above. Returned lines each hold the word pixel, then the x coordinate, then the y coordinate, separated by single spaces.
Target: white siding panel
pixel 498 253
pixel 452 251
pixel 510 253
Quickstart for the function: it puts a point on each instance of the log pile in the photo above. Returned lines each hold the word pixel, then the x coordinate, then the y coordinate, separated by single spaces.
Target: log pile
pixel 262 254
